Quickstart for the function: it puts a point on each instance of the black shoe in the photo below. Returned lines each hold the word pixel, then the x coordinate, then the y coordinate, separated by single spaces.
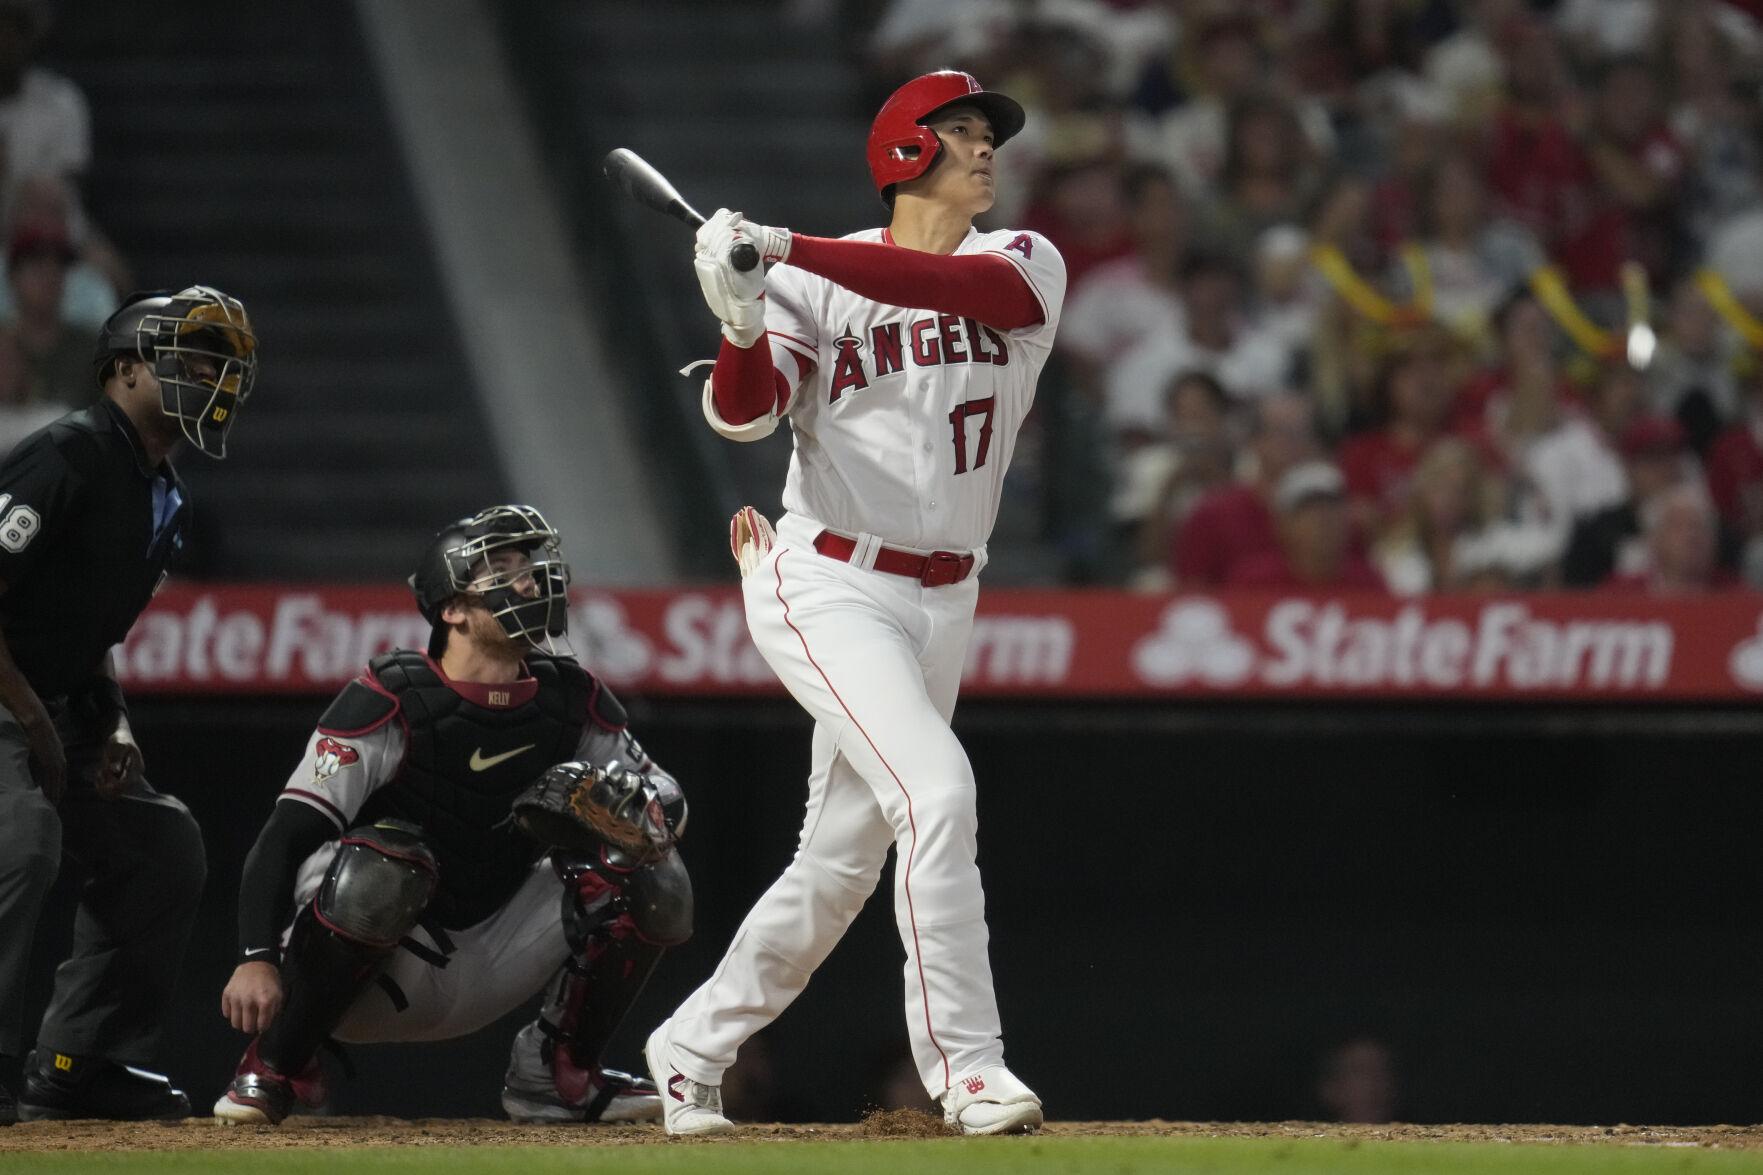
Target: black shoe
pixel 8 1106
pixel 91 1087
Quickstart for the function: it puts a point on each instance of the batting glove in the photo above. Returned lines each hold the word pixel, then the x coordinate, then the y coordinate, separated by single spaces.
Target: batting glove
pixel 733 296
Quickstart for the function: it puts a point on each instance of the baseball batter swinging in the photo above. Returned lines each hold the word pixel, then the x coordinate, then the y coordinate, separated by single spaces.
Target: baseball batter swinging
pixel 905 359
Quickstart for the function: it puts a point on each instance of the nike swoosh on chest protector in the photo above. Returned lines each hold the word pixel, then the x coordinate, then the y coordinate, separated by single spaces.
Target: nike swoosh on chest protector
pixel 479 763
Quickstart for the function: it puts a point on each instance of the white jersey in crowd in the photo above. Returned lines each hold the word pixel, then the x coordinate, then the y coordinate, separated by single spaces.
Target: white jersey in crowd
pixel 906 425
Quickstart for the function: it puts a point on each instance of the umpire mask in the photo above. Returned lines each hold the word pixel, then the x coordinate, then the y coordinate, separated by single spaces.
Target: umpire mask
pixel 529 597
pixel 203 353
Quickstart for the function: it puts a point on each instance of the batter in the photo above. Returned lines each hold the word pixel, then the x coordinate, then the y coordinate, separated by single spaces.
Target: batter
pixel 905 360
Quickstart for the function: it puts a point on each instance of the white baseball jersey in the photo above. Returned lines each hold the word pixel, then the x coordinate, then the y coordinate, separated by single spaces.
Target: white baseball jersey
pixel 906 425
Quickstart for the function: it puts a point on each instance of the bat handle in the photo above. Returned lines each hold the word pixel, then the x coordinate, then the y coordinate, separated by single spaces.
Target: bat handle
pixel 743 257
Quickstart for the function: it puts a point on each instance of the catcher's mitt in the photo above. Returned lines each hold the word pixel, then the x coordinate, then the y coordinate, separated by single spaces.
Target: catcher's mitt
pixel 582 807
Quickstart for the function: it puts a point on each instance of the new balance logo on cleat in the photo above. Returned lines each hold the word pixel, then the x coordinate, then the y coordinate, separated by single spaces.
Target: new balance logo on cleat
pixel 673 1084
pixel 974 1084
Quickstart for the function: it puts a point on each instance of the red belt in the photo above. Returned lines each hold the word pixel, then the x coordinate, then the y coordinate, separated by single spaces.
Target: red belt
pixel 936 569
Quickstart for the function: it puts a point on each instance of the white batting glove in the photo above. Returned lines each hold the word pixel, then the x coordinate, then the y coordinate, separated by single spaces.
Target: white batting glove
pixel 773 243
pixel 733 296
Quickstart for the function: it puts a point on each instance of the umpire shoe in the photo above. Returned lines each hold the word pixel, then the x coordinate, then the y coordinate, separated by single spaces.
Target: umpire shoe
pixel 261 1096
pixel 992 1101
pixel 544 1084
pixel 687 1106
pixel 61 1086
pixel 8 1106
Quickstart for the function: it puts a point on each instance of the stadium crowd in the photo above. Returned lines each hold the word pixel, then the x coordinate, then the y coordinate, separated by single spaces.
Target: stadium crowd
pixel 1404 295
pixel 59 276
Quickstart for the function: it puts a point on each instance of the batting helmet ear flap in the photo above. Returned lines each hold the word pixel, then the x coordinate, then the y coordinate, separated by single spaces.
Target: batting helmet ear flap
pixel 902 148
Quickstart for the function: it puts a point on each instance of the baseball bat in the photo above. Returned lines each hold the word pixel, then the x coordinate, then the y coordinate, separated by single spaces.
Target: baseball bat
pixel 642 183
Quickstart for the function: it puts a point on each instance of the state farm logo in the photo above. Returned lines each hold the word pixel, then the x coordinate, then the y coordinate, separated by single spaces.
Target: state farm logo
pixel 1307 643
pixel 615 650
pixel 1746 662
pixel 1194 643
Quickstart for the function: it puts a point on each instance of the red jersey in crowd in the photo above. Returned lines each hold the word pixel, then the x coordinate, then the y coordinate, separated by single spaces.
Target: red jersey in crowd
pixel 1229 526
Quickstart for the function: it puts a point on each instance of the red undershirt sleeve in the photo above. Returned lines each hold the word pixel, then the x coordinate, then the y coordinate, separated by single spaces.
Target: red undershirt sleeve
pixel 981 286
pixel 746 384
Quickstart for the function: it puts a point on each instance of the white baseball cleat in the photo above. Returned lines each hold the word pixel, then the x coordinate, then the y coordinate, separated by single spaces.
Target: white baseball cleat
pixel 992 1101
pixel 687 1106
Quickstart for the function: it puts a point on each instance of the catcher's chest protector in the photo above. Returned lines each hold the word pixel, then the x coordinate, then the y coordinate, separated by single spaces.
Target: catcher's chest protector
pixel 465 765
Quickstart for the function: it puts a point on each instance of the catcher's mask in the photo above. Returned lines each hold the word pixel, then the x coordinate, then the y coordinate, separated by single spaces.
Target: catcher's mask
pixel 202 350
pixel 529 599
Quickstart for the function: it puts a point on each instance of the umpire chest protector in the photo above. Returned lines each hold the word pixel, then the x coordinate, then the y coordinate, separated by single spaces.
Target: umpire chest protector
pixel 472 749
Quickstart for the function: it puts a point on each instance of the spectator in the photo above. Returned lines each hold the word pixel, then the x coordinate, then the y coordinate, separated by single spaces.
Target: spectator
pixel 97 278
pixel 1679 527
pixel 1229 65
pixel 1570 456
pixel 19 418
pixel 1286 296
pixel 1412 405
pixel 1508 401
pixel 1470 259
pixel 58 355
pixel 1656 457
pixel 1455 502
pixel 1535 167
pixel 1266 178
pixel 1691 375
pixel 1081 210
pixel 1715 115
pixel 1735 465
pixel 1358 1082
pixel 44 124
pixel 1234 524
pixel 1161 483
pixel 1122 303
pixel 1217 337
pixel 1315 536
pixel 1637 167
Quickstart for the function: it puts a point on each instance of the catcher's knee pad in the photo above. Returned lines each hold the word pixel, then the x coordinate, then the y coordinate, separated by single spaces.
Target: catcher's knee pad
pixel 378 884
pixel 658 898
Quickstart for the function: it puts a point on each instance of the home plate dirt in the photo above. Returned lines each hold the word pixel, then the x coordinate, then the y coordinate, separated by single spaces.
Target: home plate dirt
pixel 204 1134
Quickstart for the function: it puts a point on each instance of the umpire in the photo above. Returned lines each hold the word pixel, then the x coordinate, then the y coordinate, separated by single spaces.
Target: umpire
pixel 91 513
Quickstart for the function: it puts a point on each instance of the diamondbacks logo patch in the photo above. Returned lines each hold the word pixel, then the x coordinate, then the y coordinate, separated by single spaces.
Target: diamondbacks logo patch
pixel 331 757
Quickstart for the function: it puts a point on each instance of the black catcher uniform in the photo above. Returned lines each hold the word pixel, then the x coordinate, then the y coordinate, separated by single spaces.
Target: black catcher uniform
pixel 88 525
pixel 404 903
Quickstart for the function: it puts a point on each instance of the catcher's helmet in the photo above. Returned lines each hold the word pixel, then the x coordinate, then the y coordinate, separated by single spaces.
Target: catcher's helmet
pixel 181 334
pixel 459 562
pixel 902 148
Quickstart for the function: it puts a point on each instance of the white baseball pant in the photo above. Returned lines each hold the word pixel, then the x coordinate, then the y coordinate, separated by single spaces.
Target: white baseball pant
pixel 876 659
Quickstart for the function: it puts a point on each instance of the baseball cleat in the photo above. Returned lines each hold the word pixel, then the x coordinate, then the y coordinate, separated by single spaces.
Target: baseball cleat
pixel 92 1087
pixel 688 1107
pixel 260 1096
pixel 543 1084
pixel 992 1101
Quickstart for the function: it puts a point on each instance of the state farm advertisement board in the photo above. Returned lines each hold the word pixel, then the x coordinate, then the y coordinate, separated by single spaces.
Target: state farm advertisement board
pixel 231 639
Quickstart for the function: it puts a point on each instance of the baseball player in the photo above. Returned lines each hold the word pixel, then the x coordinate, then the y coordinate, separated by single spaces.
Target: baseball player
pixel 402 890
pixel 905 360
pixel 92 513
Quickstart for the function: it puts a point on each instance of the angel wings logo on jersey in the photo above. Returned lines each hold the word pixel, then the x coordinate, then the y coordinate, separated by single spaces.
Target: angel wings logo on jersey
pixel 331 757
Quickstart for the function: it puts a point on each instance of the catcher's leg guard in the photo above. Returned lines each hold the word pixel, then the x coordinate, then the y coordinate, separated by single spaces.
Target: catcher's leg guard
pixel 377 886
pixel 619 924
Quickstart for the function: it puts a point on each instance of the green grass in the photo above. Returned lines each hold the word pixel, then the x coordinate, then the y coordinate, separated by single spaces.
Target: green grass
pixel 1109 1156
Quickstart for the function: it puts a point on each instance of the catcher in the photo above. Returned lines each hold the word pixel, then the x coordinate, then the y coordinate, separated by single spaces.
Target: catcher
pixel 414 881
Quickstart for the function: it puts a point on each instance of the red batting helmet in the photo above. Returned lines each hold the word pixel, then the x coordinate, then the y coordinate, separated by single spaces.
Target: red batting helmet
pixel 902 148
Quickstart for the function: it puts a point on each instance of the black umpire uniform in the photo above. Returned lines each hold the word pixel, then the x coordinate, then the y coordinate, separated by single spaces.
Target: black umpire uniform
pixel 88 526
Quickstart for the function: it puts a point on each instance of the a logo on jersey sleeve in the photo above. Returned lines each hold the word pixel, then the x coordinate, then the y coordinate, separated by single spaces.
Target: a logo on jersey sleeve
pixel 332 756
pixel 1023 244
pixel 847 366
